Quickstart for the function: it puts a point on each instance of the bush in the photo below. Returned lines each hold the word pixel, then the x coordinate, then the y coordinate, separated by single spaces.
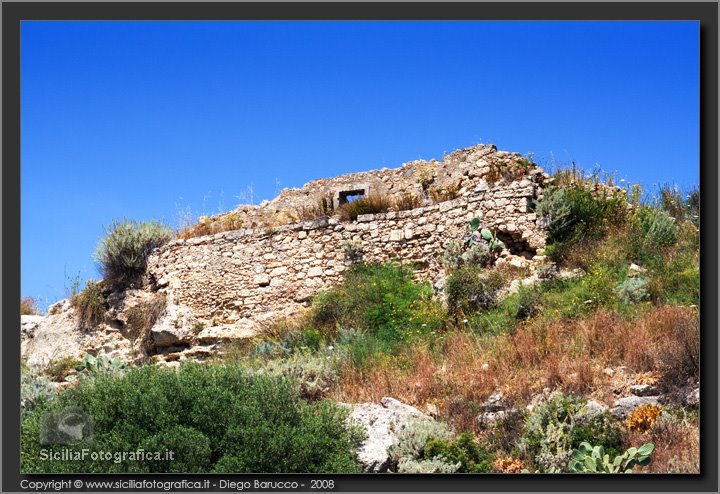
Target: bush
pixel 366 205
pixel 60 369
pixel 28 307
pixel 317 374
pixel 380 299
pixel 352 251
pixel 90 304
pixel 215 418
pixel 575 212
pixel 436 465
pixel 410 442
pixel 124 250
pixel 530 301
pixel 657 227
pixel 560 425
pixel 34 391
pixel 632 290
pixel 470 289
pixel 464 450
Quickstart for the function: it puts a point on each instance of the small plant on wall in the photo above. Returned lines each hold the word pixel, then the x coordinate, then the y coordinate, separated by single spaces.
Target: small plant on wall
pixel 478 248
pixel 353 251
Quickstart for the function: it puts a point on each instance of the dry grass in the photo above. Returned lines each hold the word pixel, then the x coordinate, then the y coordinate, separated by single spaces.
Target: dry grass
pixel 462 370
pixel 238 220
pixel 90 305
pixel 406 202
pixel 513 171
pixel 445 193
pixel 323 207
pixel 677 445
pixel 367 205
pixel 141 318
pixel 29 307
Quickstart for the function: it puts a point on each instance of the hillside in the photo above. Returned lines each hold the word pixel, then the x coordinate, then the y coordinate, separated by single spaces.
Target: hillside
pixel 473 314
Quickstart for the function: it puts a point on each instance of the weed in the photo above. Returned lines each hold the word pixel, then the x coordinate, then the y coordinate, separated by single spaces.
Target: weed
pixel 560 425
pixel 643 417
pixel 470 289
pixel 60 369
pixel 142 317
pixel 406 202
pixel 28 306
pixel 365 205
pixel 464 450
pixel 353 251
pixel 124 250
pixel 90 304
pixel 443 194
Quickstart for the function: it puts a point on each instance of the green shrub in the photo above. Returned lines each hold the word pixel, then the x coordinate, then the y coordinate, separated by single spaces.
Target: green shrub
pixel 478 248
pixel 215 418
pixel 436 465
pixel 34 391
pixel 90 304
pixel 59 369
pixel 575 212
pixel 560 425
pixel 632 290
pixel 452 254
pixel 316 373
pixel 464 450
pixel 530 302
pixel 124 250
pixel 657 227
pixel 410 441
pixel 470 289
pixel 380 299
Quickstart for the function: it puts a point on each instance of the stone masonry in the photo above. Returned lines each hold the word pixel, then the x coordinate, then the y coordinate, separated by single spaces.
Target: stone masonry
pixel 249 276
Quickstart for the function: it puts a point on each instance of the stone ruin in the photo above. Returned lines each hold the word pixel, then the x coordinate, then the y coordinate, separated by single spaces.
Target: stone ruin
pixel 258 273
pixel 230 285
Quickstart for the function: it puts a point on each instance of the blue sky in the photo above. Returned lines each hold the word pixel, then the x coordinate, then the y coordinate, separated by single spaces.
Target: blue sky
pixel 165 120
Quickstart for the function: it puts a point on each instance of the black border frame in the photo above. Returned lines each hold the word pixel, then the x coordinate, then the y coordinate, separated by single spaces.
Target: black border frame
pixel 705 12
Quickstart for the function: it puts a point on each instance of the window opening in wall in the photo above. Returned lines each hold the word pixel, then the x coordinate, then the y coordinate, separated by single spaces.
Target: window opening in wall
pixel 351 195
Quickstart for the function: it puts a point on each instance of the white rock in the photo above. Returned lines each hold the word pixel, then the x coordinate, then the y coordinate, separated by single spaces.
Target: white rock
pixel 382 423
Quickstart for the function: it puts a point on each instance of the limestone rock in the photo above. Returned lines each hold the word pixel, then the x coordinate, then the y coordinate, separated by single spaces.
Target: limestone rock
pixel 643 389
pixel 382 423
pixel 174 327
pixel 624 406
pixel 46 339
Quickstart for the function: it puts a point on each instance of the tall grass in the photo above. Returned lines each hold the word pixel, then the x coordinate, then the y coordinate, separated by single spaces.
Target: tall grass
pixel 124 250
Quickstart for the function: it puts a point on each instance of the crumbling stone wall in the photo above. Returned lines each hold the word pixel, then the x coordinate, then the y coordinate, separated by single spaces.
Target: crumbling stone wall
pixel 252 275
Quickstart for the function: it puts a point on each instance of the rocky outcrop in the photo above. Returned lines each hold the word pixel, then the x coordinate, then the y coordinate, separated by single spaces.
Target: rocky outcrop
pixel 382 422
pixel 127 332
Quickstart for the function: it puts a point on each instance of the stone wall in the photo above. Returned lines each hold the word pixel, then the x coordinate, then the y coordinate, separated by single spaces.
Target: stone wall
pixel 253 275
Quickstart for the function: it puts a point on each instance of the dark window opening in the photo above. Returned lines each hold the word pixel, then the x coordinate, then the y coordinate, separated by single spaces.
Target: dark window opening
pixel 351 195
